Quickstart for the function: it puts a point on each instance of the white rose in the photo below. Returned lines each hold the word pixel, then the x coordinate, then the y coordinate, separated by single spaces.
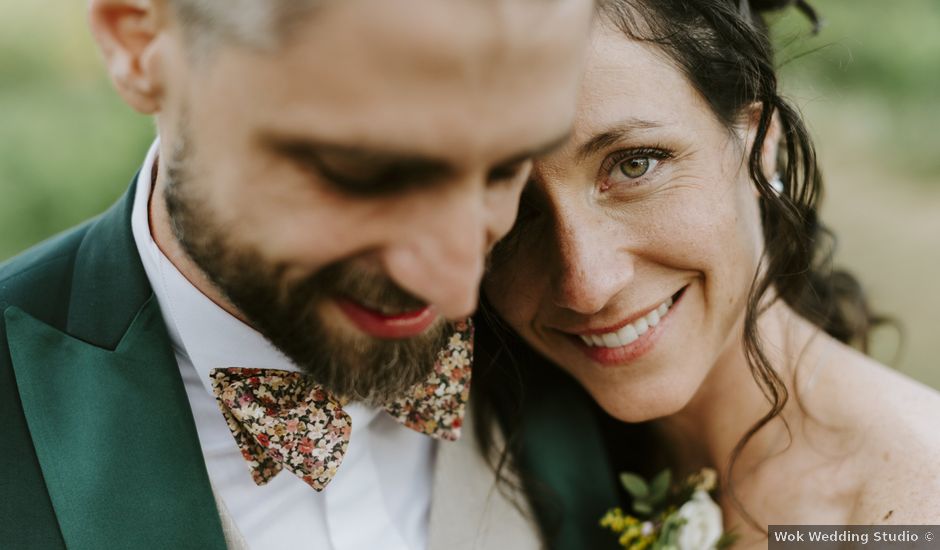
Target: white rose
pixel 702 527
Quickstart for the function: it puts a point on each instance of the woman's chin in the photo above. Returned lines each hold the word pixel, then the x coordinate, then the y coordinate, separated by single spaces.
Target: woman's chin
pixel 639 406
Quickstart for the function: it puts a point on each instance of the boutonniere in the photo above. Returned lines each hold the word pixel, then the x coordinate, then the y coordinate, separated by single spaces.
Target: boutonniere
pixel 669 516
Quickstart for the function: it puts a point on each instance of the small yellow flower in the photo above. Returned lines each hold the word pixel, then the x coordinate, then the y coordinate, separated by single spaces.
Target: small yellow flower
pixel 613 520
pixel 626 539
pixel 687 521
pixel 708 479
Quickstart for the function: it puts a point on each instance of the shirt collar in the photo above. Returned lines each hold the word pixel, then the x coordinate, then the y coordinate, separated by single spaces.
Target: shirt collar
pixel 201 331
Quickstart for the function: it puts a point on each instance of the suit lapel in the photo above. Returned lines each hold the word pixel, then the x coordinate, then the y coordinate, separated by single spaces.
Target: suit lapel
pixel 563 450
pixel 109 284
pixel 467 509
pixel 107 410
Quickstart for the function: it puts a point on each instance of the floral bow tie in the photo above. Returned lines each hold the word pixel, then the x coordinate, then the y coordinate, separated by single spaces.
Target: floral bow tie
pixel 282 420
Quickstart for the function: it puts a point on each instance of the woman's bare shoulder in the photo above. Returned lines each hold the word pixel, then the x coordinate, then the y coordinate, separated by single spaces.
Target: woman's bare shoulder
pixel 901 487
pixel 897 419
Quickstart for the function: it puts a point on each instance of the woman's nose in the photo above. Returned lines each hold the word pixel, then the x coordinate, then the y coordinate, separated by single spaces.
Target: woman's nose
pixel 593 266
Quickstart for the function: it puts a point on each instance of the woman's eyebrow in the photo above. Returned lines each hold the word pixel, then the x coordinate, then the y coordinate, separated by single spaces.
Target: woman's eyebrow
pixel 614 133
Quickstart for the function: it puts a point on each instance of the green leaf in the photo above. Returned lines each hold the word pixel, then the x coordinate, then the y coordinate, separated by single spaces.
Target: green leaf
pixel 727 540
pixel 642 507
pixel 659 487
pixel 635 485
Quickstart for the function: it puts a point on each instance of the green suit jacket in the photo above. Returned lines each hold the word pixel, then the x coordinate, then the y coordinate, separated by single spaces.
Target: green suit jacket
pixel 98 448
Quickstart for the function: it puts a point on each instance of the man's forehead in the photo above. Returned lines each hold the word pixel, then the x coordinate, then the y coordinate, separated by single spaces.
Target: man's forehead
pixel 458 20
pixel 429 84
pixel 440 37
pixel 443 84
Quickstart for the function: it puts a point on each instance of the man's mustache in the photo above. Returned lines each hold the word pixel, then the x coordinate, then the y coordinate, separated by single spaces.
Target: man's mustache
pixel 369 287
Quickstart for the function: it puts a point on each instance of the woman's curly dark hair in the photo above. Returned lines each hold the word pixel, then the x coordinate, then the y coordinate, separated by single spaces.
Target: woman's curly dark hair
pixel 724 50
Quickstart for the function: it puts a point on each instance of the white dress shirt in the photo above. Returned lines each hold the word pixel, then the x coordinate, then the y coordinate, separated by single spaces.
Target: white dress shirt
pixel 380 497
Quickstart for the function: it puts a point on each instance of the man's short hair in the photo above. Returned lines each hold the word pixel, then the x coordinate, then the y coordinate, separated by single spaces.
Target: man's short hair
pixel 262 24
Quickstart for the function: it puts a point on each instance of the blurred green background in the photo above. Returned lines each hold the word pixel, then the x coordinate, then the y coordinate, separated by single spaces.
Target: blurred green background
pixel 869 86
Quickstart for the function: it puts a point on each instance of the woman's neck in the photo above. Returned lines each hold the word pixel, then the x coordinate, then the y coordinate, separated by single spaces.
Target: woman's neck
pixel 730 402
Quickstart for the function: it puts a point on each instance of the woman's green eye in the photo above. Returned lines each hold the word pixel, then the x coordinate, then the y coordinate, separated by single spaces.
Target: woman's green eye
pixel 637 166
pixel 632 167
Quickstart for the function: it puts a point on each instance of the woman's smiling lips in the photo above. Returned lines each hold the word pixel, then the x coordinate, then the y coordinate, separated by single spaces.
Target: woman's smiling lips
pixel 629 339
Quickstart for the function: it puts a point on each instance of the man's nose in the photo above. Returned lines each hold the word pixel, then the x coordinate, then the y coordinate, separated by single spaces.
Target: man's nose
pixel 592 267
pixel 442 256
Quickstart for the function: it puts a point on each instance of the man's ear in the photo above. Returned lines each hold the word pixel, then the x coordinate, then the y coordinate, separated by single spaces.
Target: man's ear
pixel 128 34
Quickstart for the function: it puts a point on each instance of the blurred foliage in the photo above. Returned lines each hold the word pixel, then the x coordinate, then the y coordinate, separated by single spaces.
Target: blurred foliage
pixel 869 88
pixel 889 49
pixel 881 57
pixel 68 145
pixel 869 84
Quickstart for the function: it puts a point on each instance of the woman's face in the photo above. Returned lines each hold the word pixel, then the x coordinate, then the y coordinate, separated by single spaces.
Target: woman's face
pixel 636 244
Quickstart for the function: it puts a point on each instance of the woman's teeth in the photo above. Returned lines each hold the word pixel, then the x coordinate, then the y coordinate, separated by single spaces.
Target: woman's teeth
pixel 628 333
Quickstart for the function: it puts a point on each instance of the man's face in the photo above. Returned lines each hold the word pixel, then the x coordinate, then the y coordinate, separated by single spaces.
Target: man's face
pixel 342 191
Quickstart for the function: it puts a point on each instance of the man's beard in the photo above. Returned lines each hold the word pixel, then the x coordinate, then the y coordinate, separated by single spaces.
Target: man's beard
pixel 288 312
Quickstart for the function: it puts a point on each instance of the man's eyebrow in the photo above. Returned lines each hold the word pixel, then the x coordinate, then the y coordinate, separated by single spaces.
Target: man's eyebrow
pixel 397 168
pixel 307 149
pixel 312 151
pixel 613 134
pixel 538 150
